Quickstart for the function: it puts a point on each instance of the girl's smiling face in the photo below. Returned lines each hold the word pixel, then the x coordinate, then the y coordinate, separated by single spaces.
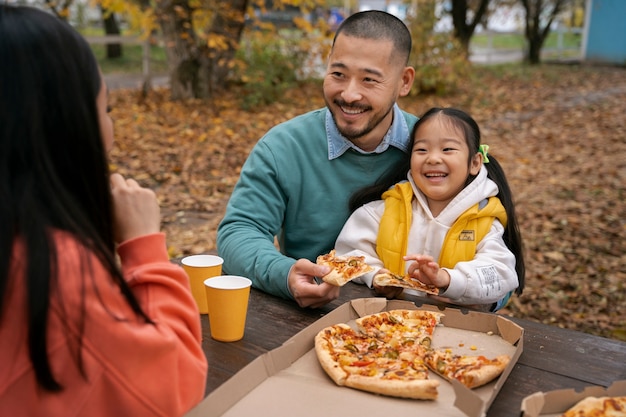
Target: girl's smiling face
pixel 439 161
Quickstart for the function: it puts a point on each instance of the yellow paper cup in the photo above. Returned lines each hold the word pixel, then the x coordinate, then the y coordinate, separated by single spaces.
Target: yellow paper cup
pixel 199 268
pixel 227 297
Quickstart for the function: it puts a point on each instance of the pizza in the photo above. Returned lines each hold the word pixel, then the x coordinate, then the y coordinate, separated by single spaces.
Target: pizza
pixel 382 357
pixel 406 281
pixel 598 407
pixel 343 268
pixel 471 371
pixel 390 353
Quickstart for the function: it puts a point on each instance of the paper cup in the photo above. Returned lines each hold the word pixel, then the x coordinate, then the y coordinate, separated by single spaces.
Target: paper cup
pixel 199 268
pixel 227 298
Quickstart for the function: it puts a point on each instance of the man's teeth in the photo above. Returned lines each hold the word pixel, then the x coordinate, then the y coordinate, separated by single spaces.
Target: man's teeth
pixel 352 111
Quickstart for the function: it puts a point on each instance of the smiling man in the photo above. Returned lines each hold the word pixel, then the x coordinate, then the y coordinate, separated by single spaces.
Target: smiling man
pixel 298 179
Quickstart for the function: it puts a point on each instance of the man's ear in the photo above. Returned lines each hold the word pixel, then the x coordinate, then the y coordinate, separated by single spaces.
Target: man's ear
pixel 408 75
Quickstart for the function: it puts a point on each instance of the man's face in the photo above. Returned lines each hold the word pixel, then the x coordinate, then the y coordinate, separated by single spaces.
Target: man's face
pixel 364 78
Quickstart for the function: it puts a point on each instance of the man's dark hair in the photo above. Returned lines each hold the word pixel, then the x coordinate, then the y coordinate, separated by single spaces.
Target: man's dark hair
pixel 378 25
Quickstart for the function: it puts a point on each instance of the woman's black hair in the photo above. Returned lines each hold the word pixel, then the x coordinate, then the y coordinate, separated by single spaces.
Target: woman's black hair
pixel 54 173
pixel 466 124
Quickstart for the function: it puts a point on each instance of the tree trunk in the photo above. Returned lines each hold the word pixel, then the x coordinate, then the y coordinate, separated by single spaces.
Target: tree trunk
pixel 114 50
pixel 534 32
pixel 199 64
pixel 228 25
pixel 174 17
pixel 464 31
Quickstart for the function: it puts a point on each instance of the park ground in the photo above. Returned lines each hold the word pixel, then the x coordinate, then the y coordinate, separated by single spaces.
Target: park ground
pixel 558 130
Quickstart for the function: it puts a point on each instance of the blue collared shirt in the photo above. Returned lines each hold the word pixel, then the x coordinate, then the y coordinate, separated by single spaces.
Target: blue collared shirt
pixel 397 136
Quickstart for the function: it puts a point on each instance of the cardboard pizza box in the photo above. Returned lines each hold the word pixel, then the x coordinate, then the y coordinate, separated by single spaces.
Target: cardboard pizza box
pixel 555 403
pixel 289 380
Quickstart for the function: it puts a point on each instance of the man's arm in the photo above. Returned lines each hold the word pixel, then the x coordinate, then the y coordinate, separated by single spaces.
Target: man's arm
pixel 245 237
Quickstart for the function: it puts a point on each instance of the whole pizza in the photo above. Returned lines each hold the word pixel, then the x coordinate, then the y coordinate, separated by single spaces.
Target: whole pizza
pixel 391 353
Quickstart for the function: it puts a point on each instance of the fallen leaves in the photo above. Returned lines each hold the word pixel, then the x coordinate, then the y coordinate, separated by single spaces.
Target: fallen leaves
pixel 558 131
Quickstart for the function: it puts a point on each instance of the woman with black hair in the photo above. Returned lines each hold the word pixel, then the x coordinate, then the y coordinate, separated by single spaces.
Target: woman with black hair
pixel 81 333
pixel 452 216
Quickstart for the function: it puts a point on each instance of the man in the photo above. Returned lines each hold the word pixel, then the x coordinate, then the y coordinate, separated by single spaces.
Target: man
pixel 297 181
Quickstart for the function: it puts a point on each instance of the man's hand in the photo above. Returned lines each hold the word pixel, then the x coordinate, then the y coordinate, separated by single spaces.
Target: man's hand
pixel 305 290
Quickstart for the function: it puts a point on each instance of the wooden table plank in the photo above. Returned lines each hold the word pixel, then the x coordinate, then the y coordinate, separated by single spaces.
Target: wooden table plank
pixel 576 355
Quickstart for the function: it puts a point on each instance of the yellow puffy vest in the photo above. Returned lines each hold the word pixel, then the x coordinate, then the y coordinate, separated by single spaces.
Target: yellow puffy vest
pixel 460 241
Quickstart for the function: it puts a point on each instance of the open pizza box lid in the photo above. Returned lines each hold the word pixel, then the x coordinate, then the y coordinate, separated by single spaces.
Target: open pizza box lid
pixel 555 403
pixel 289 380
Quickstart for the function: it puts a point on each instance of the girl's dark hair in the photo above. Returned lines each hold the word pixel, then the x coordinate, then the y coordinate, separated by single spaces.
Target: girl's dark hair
pixel 466 124
pixel 54 174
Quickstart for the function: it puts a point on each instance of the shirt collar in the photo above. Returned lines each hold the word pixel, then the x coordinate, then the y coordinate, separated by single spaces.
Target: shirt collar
pixel 397 136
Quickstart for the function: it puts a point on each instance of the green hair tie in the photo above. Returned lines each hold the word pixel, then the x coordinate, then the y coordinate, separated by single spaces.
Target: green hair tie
pixel 483 149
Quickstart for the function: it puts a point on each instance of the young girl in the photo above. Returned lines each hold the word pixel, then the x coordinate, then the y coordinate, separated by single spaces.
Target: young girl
pixel 452 224
pixel 80 333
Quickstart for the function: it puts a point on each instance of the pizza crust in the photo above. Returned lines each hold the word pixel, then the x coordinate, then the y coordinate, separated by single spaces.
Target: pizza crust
pixel 336 278
pixel 598 407
pixel 418 389
pixel 323 349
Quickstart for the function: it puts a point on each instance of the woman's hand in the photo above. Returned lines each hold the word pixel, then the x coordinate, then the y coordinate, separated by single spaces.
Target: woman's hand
pixel 136 210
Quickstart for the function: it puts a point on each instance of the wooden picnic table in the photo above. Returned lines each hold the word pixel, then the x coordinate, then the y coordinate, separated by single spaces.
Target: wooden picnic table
pixel 552 358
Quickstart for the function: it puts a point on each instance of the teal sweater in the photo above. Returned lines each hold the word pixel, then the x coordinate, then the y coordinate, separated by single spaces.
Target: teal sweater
pixel 288 188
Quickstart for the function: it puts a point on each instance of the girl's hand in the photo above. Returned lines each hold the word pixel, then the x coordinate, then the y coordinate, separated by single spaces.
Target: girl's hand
pixel 136 210
pixel 427 271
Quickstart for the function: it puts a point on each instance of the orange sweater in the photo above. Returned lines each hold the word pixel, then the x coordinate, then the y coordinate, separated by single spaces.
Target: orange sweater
pixel 130 368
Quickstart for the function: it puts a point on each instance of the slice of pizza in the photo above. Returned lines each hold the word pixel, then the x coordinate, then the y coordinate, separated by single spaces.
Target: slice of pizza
pixel 343 268
pixel 471 371
pixel 359 361
pixel 598 407
pixel 394 280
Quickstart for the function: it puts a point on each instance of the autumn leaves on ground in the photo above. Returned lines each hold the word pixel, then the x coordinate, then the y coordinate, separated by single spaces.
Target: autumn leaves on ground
pixel 558 130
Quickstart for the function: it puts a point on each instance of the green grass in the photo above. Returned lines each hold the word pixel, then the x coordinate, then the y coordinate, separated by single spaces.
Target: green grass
pixel 499 41
pixel 131 60
pixel 516 41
